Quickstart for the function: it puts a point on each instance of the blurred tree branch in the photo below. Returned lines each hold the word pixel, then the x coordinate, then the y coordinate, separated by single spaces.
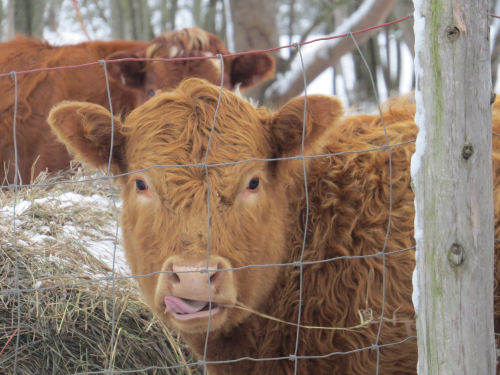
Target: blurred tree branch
pixel 290 84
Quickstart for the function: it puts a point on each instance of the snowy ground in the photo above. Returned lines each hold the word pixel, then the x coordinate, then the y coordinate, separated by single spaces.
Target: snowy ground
pixel 65 218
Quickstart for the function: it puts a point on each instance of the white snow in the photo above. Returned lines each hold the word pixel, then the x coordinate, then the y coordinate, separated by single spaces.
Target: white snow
pixel 69 198
pixel 41 238
pixel 229 26
pixel 416 160
pixel 102 243
pixel 105 250
pixel 21 207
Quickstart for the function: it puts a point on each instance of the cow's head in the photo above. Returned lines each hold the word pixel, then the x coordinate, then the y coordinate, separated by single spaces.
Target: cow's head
pixel 179 215
pixel 147 77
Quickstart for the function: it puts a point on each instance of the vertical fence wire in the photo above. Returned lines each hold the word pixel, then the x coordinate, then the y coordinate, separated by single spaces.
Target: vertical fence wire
pixel 205 167
pixel 117 225
pixel 14 228
pixel 389 220
pixel 304 239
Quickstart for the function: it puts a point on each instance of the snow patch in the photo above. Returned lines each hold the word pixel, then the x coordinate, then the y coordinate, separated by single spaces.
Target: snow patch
pixel 416 160
pixel 106 251
pixel 21 207
pixel 68 199
pixel 41 238
pixel 102 243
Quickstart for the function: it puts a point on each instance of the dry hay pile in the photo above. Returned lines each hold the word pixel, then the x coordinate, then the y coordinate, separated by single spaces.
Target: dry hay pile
pixel 66 323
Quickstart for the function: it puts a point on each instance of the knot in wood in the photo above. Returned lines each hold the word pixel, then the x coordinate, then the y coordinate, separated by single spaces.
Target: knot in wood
pixel 467 151
pixel 452 33
pixel 493 97
pixel 456 255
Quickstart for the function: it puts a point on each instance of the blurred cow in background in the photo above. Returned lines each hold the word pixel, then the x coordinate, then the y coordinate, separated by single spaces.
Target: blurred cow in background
pixel 131 83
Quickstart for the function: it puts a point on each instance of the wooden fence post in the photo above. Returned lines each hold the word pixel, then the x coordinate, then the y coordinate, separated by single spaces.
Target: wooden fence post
pixel 452 177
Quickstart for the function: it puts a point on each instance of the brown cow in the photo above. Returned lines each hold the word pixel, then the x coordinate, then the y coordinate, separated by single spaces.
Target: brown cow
pixel 257 217
pixel 131 83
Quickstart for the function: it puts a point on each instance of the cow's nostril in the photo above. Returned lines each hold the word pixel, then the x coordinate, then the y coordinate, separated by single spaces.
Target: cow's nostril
pixel 216 275
pixel 171 275
pixel 174 278
pixel 213 277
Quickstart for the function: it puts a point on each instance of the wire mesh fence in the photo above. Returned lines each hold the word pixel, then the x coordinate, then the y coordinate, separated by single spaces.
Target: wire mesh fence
pixel 14 336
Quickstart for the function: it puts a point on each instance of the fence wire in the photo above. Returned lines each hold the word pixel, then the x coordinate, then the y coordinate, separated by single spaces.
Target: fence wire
pixel 300 263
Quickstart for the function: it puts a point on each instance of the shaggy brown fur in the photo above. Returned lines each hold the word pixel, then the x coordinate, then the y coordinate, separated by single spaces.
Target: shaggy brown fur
pixel 132 82
pixel 165 223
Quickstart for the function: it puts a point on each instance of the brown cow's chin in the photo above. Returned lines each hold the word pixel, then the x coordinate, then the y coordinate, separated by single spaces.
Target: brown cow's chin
pixel 198 322
pixel 206 312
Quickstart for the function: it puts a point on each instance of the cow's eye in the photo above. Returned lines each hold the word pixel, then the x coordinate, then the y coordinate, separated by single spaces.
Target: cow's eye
pixel 151 92
pixel 141 185
pixel 253 184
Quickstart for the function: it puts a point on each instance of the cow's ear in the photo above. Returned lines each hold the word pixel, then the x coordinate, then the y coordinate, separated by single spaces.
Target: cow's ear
pixel 287 124
pixel 130 74
pixel 249 70
pixel 85 129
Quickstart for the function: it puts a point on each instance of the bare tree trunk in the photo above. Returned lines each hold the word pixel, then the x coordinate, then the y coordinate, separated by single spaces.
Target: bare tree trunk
pixel 228 24
pixel 291 21
pixel 132 20
pixel 22 17
pixel 10 20
pixel 387 66
pixel 1 20
pixel 53 14
pixel 391 67
pixel 139 16
pixel 256 22
pixel 117 24
pixel 452 177
pixel 209 23
pixel 257 29
pixel 402 8
pixel 28 17
pixel 394 80
pixel 174 6
pixel 164 15
pixel 363 92
pixel 147 27
pixel 371 12
pixel 197 12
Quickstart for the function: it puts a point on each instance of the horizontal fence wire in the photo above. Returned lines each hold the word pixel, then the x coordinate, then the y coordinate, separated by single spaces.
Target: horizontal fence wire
pixel 383 253
pixel 249 266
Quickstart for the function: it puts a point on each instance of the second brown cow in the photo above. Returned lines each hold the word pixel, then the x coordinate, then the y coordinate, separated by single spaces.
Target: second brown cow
pixel 131 83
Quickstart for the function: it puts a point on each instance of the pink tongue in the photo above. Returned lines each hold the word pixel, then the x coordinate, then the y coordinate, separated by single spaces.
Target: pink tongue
pixel 181 306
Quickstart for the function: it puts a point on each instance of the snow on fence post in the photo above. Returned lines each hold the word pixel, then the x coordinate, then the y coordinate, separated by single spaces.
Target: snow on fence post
pixel 452 177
